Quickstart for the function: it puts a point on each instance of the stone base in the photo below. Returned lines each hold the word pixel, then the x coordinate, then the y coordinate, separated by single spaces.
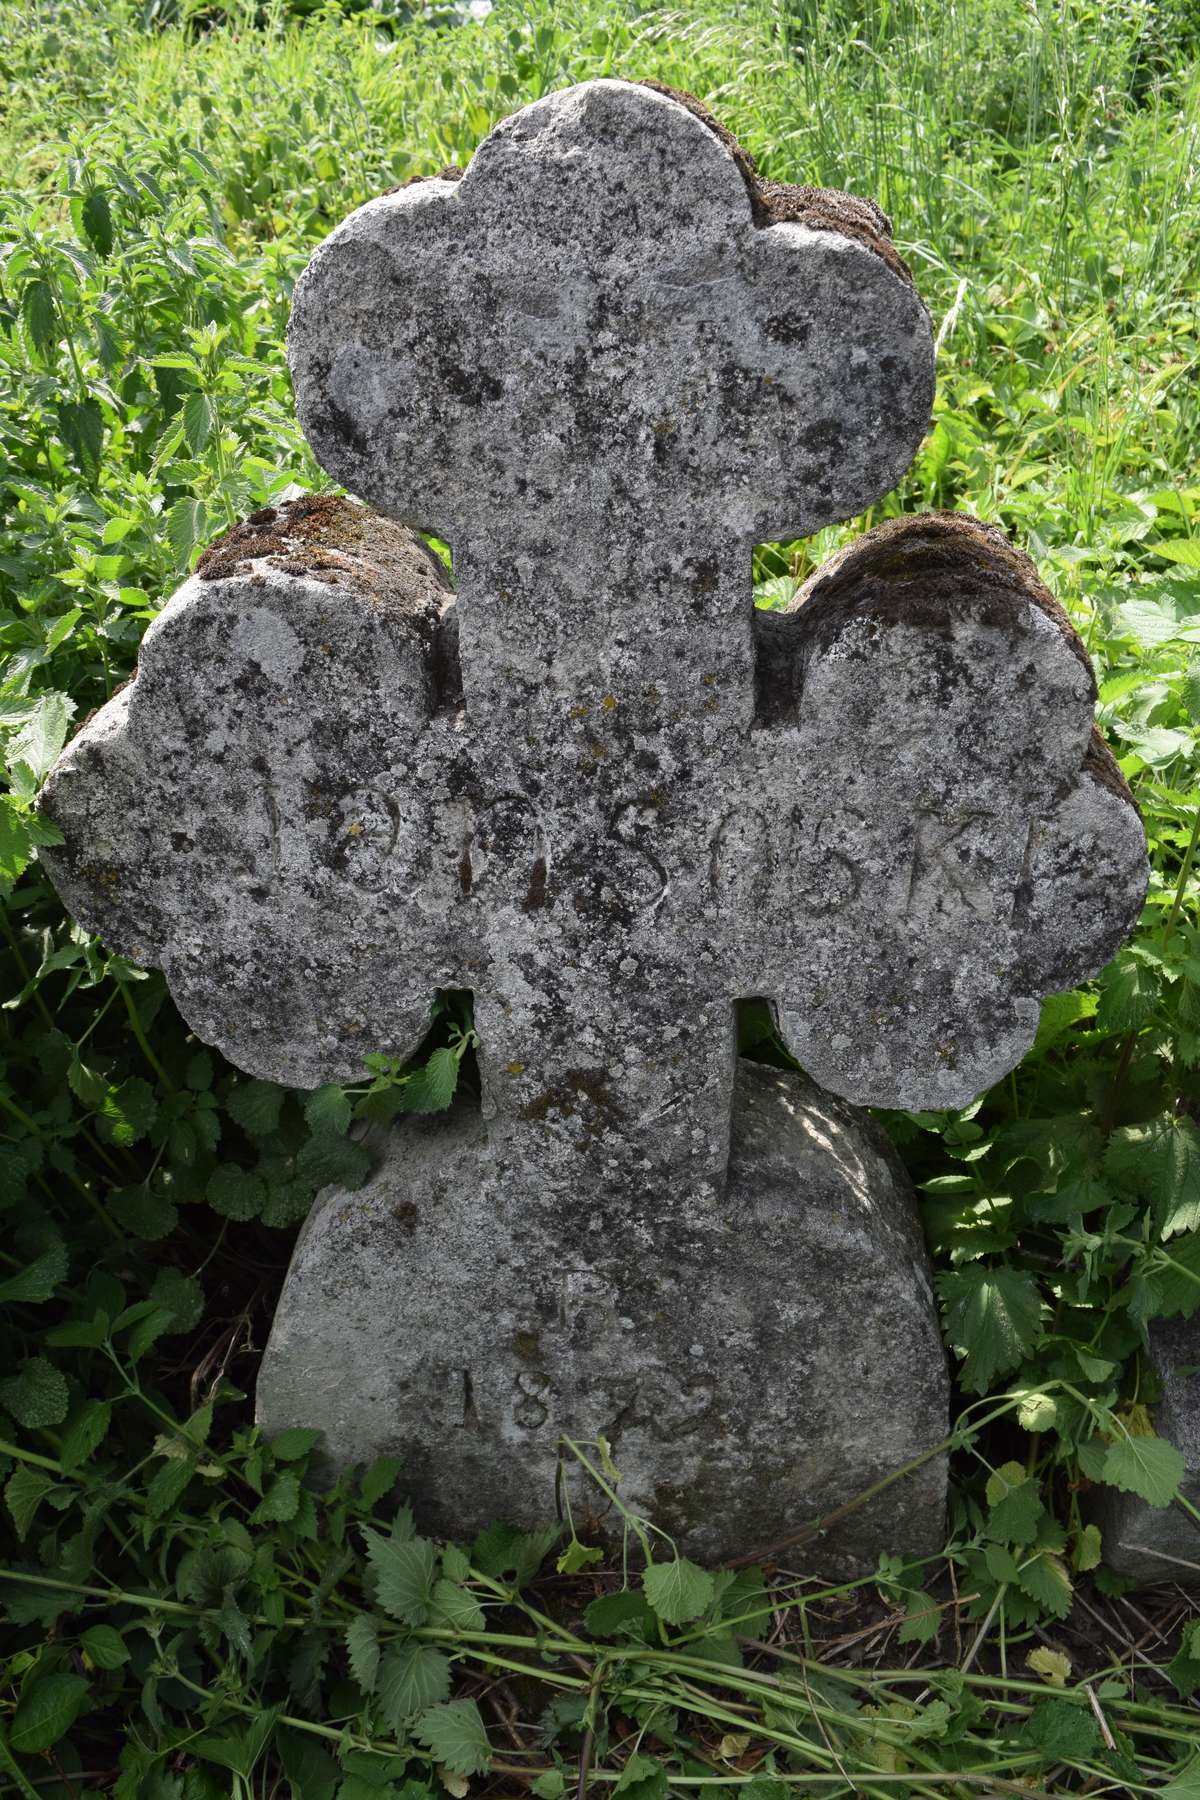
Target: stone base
pixel 752 1367
pixel 1161 1543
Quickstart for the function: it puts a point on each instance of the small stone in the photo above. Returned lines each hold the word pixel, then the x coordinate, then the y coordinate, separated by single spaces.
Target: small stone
pixel 1161 1543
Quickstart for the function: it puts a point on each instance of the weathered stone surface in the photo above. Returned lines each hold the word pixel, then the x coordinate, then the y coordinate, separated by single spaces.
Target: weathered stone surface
pixel 753 1364
pixel 1161 1543
pixel 602 793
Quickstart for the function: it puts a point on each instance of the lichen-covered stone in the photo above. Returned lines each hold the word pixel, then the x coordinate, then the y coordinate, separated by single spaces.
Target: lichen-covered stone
pixel 1161 1543
pixel 597 789
pixel 753 1363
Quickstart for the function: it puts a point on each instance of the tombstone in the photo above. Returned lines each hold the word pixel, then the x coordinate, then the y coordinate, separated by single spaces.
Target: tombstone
pixel 1161 1543
pixel 600 791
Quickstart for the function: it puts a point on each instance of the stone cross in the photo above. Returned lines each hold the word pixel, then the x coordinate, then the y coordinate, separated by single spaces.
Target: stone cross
pixel 598 790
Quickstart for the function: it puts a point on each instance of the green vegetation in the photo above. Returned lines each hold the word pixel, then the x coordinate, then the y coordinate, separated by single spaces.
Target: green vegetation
pixel 183 1618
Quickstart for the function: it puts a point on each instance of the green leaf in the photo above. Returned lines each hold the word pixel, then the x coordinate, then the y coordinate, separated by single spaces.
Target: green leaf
pixel 186 523
pixel 1044 1578
pixel 412 1677
pixel 291 1445
pixel 97 221
pixel 1185 1786
pixel 105 1646
pixel 578 1556
pixel 1185 551
pixel 516 1556
pixel 454 1609
pixel 36 1395
pixel 642 1778
pixel 24 1492
pixel 677 1590
pixel 1014 1505
pixel 235 1193
pixel 41 320
pixel 143 1214
pixel 1184 1668
pixel 1129 995
pixel 1150 1467
pixel 379 1479
pixel 992 1318
pixel 613 1614
pixel 362 1649
pixel 198 418
pixel 85 1430
pixel 38 1280
pixel 179 1294
pixel 255 1106
pixel 47 1709
pixel 280 1503
pixel 431 1088
pixel 455 1737
pixel 1062 1729
pixel 81 427
pixel 311 1771
pixel 43 734
pixel 130 1110
pixel 404 1575
pixel 328 1160
pixel 327 1109
pixel 1088 1550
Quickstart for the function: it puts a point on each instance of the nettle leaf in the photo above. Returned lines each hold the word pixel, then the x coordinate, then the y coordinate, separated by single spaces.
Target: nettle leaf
pixel 81 427
pixel 96 218
pixel 85 1430
pixel 404 1575
pixel 143 1214
pixel 1044 1578
pixel 1184 1668
pixel 186 523
pixel 992 1319
pixel 129 1110
pixel 45 1711
pixel 1061 1729
pixel 43 734
pixel 508 1554
pixel 453 1608
pixel 412 1677
pixel 362 1649
pixel 255 1106
pixel 280 1503
pixel 291 1445
pixel 235 1193
pixel 642 1778
pixel 24 1492
pixel 104 1646
pixel 1051 1665
pixel 1014 1505
pixel 454 1735
pixel 328 1109
pixel 677 1590
pixel 36 1395
pixel 1129 995
pixel 38 1280
pixel 1150 1467
pixel 325 1160
pixel 379 1479
pixel 198 420
pixel 625 1612
pixel 431 1088
pixel 179 1294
